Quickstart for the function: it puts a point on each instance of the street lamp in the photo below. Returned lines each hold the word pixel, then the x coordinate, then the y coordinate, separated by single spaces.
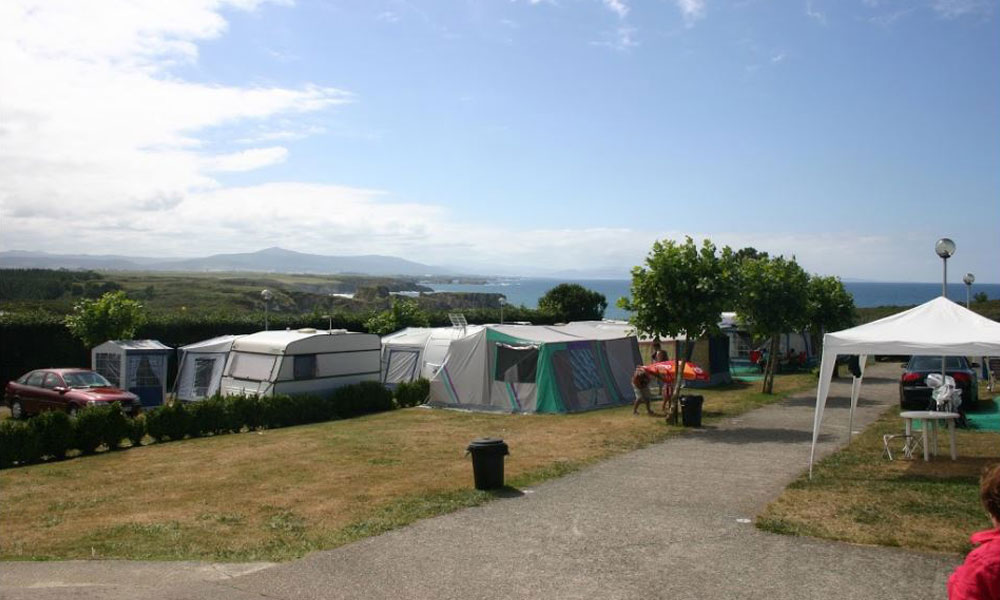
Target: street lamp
pixel 503 301
pixel 945 248
pixel 266 295
pixel 969 279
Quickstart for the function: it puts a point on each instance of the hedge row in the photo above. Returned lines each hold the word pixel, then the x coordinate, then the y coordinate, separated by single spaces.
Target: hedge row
pixel 51 435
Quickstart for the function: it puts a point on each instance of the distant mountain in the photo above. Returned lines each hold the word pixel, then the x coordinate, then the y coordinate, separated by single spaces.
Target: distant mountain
pixel 268 260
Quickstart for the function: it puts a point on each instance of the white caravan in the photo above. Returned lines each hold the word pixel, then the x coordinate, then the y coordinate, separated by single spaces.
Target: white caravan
pixel 305 361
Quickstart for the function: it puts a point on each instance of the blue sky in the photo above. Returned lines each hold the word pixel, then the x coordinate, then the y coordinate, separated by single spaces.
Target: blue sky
pixel 507 137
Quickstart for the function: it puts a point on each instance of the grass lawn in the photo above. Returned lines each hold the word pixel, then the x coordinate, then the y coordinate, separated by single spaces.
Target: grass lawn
pixel 278 494
pixel 858 496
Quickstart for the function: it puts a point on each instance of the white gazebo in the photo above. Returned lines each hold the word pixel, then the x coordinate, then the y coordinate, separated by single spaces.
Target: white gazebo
pixel 939 328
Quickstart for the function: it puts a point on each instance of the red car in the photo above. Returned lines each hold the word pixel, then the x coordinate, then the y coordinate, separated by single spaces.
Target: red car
pixel 68 390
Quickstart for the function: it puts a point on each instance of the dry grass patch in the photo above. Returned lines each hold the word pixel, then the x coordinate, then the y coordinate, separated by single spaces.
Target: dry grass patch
pixel 278 494
pixel 858 496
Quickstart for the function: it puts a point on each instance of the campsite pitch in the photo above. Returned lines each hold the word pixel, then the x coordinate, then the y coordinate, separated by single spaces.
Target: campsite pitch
pixel 278 494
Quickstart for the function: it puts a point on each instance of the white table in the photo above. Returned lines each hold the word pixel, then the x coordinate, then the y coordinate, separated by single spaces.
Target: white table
pixel 931 418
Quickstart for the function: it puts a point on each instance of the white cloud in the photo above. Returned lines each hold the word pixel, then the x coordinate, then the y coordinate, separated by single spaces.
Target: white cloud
pixel 247 160
pixel 93 119
pixel 953 9
pixel 619 7
pixel 813 13
pixel 691 10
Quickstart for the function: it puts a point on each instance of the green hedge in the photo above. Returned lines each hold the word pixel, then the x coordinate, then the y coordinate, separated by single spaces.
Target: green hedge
pixel 51 435
pixel 413 393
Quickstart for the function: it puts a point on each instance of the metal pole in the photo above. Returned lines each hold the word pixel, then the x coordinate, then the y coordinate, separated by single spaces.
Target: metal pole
pixel 265 315
pixel 968 295
pixel 944 292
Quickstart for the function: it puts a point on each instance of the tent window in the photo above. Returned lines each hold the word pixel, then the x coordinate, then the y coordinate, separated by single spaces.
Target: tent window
pixel 584 365
pixel 203 368
pixel 256 367
pixel 304 366
pixel 108 364
pixel 516 364
pixel 145 370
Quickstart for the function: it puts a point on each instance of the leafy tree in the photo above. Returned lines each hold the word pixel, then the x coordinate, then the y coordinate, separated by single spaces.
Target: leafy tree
pixel 773 299
pixel 113 316
pixel 980 297
pixel 831 306
pixel 573 302
pixel 403 313
pixel 681 290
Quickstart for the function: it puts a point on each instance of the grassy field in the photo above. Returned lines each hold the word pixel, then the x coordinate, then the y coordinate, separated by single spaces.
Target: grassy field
pixel 278 494
pixel 858 496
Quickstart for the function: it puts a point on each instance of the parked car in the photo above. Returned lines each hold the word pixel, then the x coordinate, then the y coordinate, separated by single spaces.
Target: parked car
pixel 914 394
pixel 69 390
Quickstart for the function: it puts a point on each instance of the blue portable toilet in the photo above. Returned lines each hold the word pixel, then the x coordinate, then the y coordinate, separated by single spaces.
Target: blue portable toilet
pixel 139 366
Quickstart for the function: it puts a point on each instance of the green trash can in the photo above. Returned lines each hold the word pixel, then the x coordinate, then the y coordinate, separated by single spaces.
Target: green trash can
pixel 691 410
pixel 487 462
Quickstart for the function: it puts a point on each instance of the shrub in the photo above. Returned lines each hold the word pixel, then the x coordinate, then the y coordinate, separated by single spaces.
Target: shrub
pixel 208 417
pixel 116 427
pixel 412 393
pixel 137 430
pixel 18 443
pixel 245 411
pixel 91 428
pixel 54 430
pixel 168 422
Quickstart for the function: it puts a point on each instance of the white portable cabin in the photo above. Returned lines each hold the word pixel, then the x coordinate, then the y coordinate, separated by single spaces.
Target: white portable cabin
pixel 139 366
pixel 200 366
pixel 305 361
pixel 416 352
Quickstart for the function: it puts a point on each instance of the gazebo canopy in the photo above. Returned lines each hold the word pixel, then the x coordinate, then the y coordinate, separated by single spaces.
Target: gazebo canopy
pixel 939 327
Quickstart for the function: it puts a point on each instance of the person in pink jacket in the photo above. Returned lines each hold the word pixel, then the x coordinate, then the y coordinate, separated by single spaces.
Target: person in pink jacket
pixel 978 578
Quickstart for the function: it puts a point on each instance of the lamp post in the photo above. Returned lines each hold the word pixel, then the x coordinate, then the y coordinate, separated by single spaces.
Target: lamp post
pixel 969 279
pixel 945 248
pixel 503 301
pixel 266 295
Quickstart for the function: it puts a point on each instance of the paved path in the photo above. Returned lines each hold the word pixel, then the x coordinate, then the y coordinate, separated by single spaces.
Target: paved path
pixel 668 521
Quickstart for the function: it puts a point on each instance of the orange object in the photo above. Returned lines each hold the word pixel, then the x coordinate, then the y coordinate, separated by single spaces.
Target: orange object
pixel 665 371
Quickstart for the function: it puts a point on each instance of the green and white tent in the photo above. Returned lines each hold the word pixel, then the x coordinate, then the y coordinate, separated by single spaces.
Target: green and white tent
pixel 538 369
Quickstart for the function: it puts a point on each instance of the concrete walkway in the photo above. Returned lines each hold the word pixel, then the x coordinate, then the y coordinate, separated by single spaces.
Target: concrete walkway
pixel 668 521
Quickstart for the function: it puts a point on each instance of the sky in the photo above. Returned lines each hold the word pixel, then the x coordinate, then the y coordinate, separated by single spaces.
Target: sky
pixel 507 137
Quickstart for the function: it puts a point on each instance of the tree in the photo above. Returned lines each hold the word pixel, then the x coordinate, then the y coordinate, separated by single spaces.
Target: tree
pixel 113 316
pixel 831 307
pixel 573 302
pixel 773 299
pixel 980 297
pixel 403 313
pixel 681 290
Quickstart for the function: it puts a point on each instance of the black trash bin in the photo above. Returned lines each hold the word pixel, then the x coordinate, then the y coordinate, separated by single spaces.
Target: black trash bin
pixel 691 410
pixel 487 462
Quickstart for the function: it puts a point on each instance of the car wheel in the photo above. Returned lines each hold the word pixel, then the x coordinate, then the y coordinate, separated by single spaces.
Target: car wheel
pixel 74 411
pixel 16 410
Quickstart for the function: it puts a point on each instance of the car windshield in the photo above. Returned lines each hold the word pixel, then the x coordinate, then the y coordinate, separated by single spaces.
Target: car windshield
pixel 85 379
pixel 933 363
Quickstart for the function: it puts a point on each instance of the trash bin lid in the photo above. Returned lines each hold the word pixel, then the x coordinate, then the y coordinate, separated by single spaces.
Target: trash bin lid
pixel 487 444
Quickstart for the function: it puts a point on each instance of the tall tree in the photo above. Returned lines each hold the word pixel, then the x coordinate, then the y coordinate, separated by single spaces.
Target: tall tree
pixel 773 299
pixel 573 302
pixel 831 308
pixel 681 290
pixel 113 316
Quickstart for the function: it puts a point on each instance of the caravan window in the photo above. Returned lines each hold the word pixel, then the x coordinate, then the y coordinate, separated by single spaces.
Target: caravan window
pixel 203 368
pixel 256 367
pixel 516 364
pixel 304 366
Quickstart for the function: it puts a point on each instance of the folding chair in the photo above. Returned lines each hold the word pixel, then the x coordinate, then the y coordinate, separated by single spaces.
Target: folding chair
pixel 911 443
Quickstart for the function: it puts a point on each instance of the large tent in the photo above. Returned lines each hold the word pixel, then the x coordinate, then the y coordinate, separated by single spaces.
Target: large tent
pixel 938 328
pixel 545 369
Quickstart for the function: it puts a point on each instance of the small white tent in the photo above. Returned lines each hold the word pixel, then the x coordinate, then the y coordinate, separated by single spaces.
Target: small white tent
pixel 416 352
pixel 939 327
pixel 199 370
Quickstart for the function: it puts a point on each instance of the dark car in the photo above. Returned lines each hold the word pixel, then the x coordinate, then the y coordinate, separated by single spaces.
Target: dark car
pixel 914 393
pixel 68 390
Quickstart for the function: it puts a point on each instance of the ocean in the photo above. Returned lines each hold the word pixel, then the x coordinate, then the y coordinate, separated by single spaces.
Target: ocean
pixel 527 291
